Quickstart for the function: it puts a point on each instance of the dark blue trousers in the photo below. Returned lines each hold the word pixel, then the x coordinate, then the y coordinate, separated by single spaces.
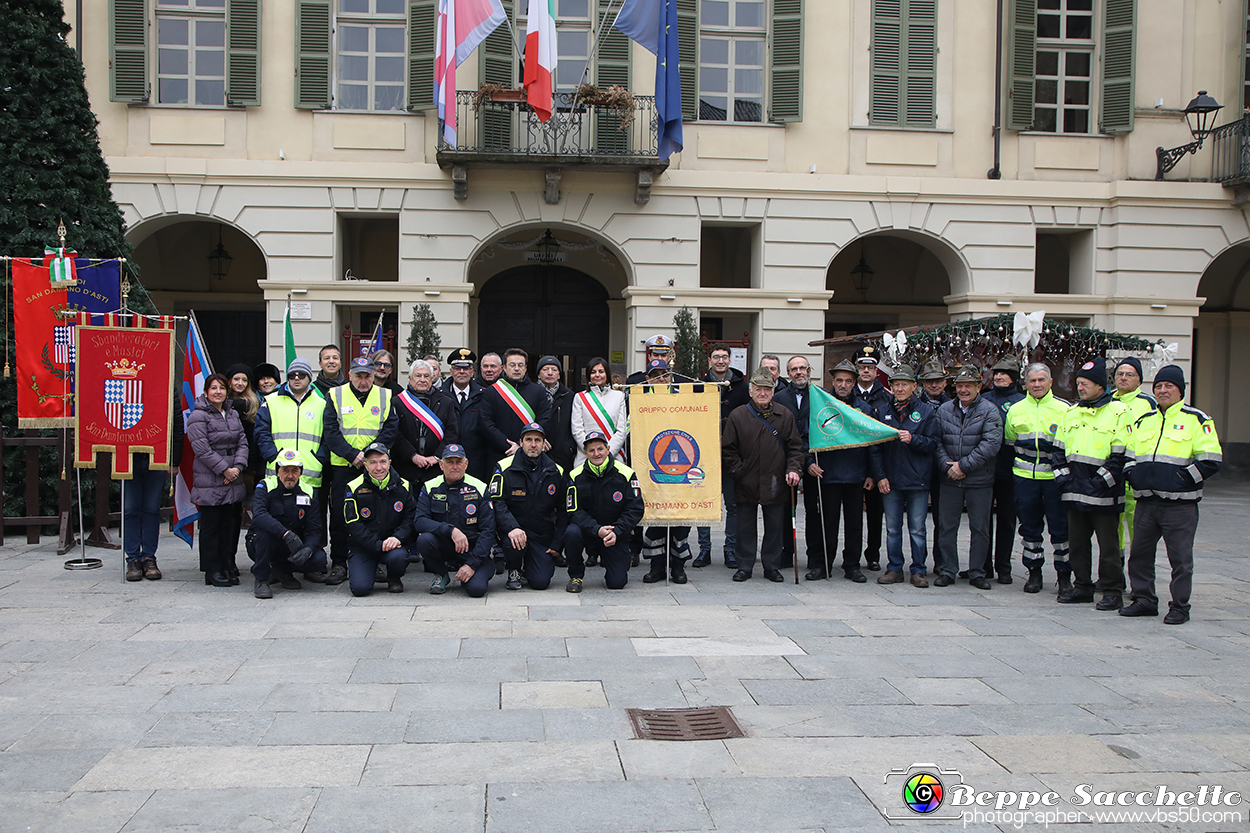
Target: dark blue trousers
pixel 615 559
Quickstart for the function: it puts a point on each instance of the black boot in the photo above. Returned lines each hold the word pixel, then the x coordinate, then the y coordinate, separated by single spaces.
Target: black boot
pixel 1065 585
pixel 678 572
pixel 656 573
pixel 1034 584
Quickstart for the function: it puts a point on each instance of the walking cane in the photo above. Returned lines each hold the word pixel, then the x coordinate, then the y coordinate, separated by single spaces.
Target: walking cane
pixel 824 532
pixel 794 531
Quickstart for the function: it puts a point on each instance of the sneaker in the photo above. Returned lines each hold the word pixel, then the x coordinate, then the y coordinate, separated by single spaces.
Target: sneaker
pixel 574 585
pixel 919 580
pixel 150 571
pixel 439 585
pixel 261 590
pixel 514 580
pixel 134 570
pixel 338 575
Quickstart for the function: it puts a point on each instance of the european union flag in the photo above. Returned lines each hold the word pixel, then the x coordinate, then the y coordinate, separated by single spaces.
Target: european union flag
pixel 653 24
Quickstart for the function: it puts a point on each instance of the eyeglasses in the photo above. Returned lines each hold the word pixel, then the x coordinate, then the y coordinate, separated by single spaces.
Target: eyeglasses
pixel 297 375
pixel 382 364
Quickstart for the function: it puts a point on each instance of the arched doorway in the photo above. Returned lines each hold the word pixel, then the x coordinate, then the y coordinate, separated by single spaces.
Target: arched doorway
pixel 173 259
pixel 545 310
pixel 908 285
pixel 1221 341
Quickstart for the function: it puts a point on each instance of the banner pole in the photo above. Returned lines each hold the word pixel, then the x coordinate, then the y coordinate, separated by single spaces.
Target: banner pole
pixel 668 554
pixel 824 530
pixel 794 530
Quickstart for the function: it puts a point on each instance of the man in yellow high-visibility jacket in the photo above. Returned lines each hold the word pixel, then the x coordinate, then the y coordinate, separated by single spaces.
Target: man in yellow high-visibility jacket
pixel 1128 379
pixel 357 415
pixel 1030 426
pixel 1175 450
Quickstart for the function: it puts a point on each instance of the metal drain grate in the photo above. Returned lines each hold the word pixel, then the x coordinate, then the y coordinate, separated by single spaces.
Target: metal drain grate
pixel 685 724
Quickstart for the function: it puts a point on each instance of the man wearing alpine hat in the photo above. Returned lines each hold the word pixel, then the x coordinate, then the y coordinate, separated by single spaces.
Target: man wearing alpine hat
pixel 527 493
pixel 604 505
pixel 456 526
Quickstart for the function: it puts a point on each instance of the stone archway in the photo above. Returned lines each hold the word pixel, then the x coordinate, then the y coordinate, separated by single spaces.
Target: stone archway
pixel 1221 340
pixel 171 253
pixel 910 280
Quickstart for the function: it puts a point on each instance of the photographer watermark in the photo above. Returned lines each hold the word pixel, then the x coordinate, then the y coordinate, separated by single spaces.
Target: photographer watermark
pixel 930 792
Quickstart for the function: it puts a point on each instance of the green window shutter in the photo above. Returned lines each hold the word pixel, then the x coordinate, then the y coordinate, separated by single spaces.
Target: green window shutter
pixel 422 22
pixel 1243 69
pixel 128 51
pixel 312 54
pixel 688 57
pixel 920 90
pixel 785 62
pixel 1119 21
pixel 1021 63
pixel 903 67
pixel 885 95
pixel 498 65
pixel 243 53
pixel 611 68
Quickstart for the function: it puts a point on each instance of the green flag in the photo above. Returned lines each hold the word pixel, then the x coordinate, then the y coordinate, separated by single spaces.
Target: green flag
pixel 288 336
pixel 834 424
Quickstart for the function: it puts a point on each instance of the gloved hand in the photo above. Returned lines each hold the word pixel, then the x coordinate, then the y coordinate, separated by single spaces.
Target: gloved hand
pixel 292 541
pixel 300 558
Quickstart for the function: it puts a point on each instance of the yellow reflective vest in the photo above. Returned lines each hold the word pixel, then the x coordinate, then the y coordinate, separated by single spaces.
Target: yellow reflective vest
pixel 1030 426
pixel 298 425
pixel 1174 451
pixel 1091 450
pixel 1139 404
pixel 359 423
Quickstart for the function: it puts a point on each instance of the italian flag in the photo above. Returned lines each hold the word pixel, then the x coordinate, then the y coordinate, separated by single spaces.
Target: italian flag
pixel 540 56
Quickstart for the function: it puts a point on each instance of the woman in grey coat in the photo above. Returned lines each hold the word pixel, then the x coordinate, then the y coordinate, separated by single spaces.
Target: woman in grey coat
pixel 216 435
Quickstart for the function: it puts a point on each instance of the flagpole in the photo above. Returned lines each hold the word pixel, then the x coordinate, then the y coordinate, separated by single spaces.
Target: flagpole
pixel 794 530
pixel 599 38
pixel 824 530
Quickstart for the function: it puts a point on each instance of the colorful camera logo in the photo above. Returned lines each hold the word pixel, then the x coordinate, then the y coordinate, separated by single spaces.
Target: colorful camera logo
pixel 922 793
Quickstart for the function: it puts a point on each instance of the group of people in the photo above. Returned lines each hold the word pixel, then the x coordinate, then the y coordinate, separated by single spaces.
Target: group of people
pixel 488 471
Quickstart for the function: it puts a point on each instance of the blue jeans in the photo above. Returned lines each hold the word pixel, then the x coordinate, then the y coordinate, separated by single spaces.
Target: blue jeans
pixel 141 511
pixel 731 521
pixel 916 503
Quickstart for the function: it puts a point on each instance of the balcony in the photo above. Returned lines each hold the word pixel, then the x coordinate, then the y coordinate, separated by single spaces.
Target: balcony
pixel 588 136
pixel 1230 157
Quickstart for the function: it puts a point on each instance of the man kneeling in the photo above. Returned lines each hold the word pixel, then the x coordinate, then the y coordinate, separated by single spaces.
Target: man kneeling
pixel 604 506
pixel 286 528
pixel 456 527
pixel 378 511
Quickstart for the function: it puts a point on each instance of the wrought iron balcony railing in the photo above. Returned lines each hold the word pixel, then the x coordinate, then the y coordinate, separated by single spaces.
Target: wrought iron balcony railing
pixel 1230 149
pixel 578 133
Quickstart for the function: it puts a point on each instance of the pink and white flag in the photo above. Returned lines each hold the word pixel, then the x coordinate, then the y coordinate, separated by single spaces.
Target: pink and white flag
pixel 462 25
pixel 540 56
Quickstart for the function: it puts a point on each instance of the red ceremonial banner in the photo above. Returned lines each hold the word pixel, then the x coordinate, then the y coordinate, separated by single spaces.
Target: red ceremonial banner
pixel 124 381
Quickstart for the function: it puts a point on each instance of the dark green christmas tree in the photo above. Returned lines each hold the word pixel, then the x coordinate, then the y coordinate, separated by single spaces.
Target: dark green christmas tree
pixel 50 169
pixel 423 338
pixel 686 343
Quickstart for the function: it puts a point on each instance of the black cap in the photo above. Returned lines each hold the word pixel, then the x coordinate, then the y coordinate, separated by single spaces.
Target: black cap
pixel 1171 373
pixel 1095 370
pixel 460 356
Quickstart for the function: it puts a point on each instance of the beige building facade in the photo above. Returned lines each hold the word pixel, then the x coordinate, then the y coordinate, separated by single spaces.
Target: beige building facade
pixel 822 134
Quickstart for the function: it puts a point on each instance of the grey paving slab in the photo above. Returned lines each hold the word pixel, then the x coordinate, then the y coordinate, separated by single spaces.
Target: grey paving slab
pixel 43 698
pixel 597 807
pixel 750 668
pixel 82 812
pixel 408 764
pixel 604 668
pixel 947 691
pixel 435 809
pixel 956 665
pixel 586 724
pixel 552 613
pixel 335 728
pixel 797 721
pixel 315 648
pixel 810 627
pixel 600 646
pixel 46 770
pixel 1055 753
pixel 472 725
pixel 1164 753
pixel 176 729
pixel 227 766
pixel 213 698
pixel 644 693
pixel 438 670
pixel 649 759
pixel 1054 690
pixel 86 731
pixel 330 697
pixel 823 692
pixel 1043 719
pixel 518 646
pixel 916 720
pixel 231 808
pixel 427 696
pixel 786 803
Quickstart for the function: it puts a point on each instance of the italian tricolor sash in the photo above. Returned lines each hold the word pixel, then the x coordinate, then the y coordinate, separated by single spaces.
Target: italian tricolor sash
pixel 600 415
pixel 422 412
pixel 518 405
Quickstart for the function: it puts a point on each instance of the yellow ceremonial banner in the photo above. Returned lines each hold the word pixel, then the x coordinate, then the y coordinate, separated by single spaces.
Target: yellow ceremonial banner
pixel 675 450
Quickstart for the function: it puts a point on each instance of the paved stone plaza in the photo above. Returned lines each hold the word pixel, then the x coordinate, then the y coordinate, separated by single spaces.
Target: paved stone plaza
pixel 175 706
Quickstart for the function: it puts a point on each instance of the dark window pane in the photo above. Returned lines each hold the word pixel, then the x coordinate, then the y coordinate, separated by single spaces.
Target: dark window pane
pixel 713 108
pixel 173 32
pixel 1046 91
pixel 388 98
pixel 390 6
pixel 1076 92
pixel 1048 4
pixel 354 67
pixel 714 79
pixel 1075 121
pixel 1044 119
pixel 389 39
pixel 1076 64
pixel 1048 25
pixel 354 39
pixel 388 69
pixel 173 91
pixel 749 53
pixel 715 13
pixel 714 51
pixel 1080 26
pixel 210 62
pixel 353 97
pixel 210 92
pixel 1080 5
pixel 172 62
pixel 210 33
pixel 354 6
pixel 1047 63
pixel 749 14
pixel 748 110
